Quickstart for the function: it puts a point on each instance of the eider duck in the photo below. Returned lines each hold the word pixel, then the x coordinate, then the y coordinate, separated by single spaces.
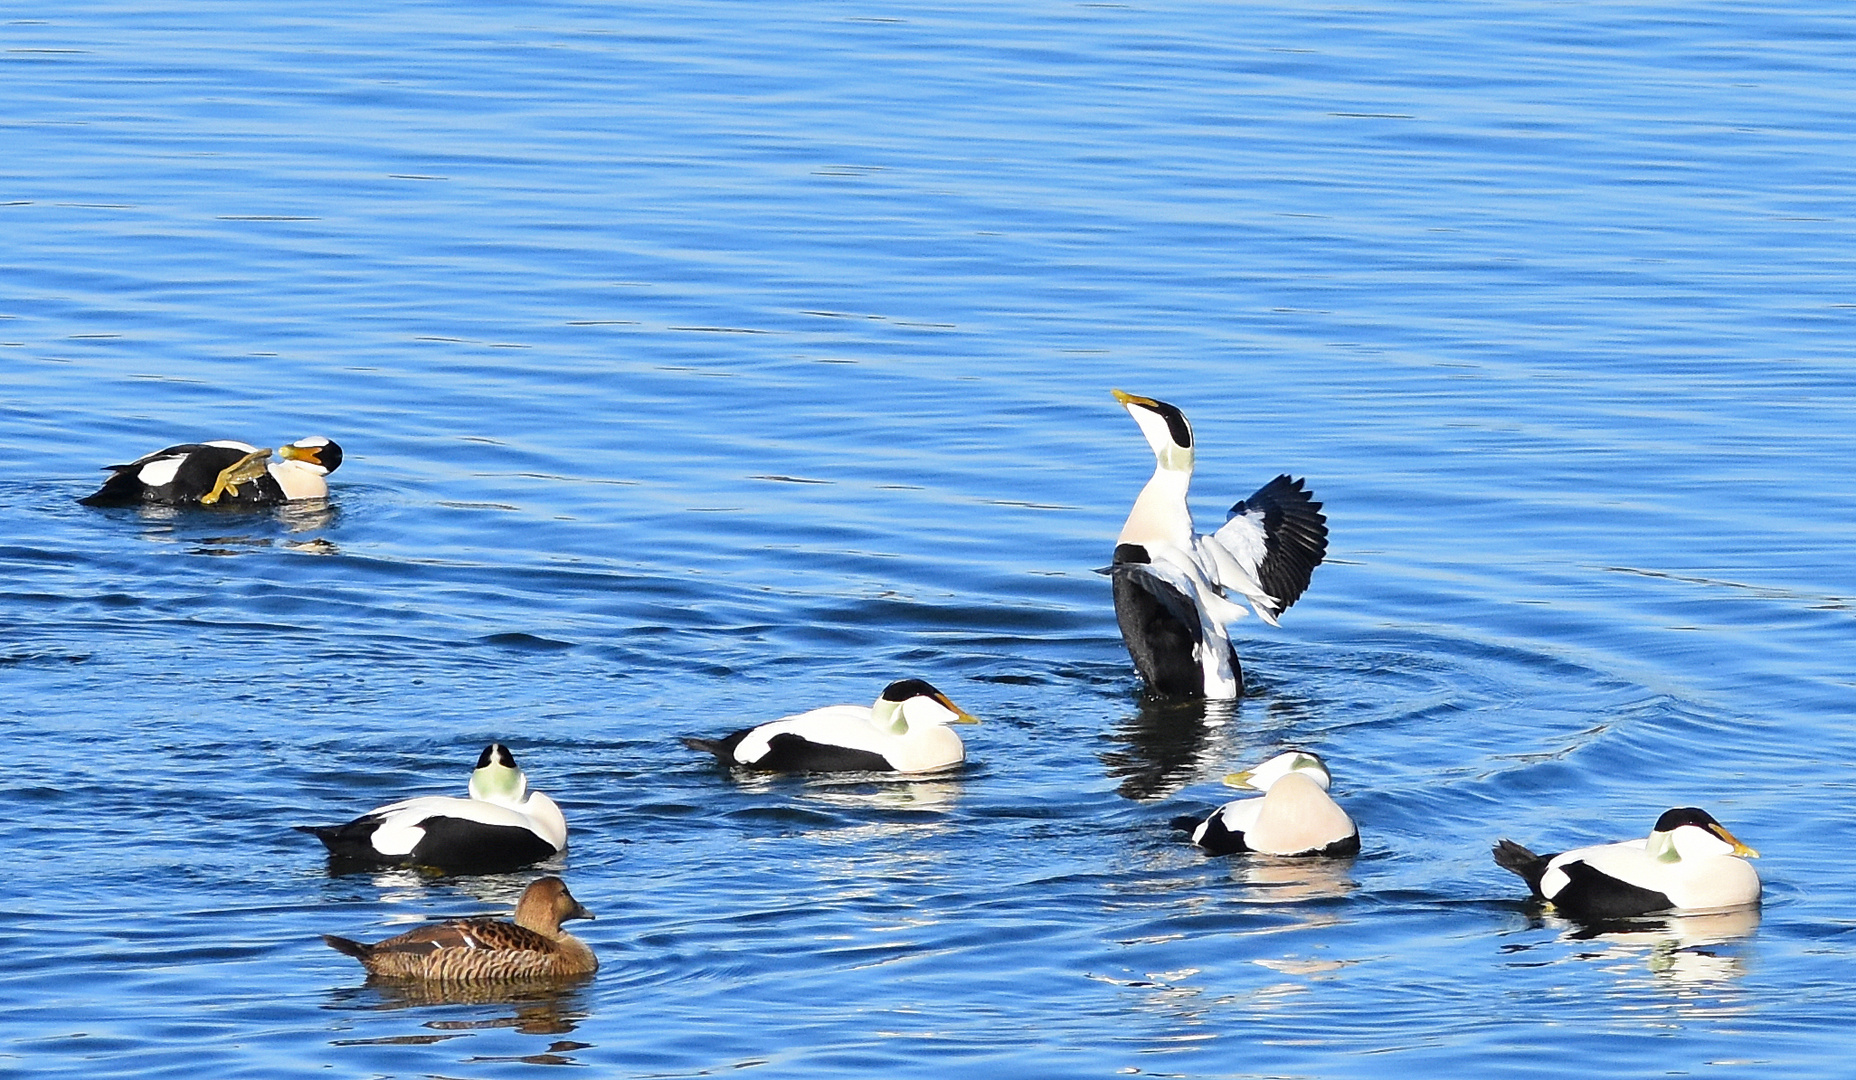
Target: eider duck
pixel 502 826
pixel 1689 862
pixel 478 950
pixel 1175 589
pixel 905 731
pixel 224 472
pixel 1295 816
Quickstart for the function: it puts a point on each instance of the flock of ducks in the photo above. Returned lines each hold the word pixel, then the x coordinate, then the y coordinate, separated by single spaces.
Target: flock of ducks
pixel 1175 591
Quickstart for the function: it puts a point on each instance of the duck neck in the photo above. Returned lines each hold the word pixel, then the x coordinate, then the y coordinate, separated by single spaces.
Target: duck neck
pixel 300 480
pixel 1160 514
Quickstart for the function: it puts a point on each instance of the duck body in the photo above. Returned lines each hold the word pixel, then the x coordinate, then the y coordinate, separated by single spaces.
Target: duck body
pixel 1689 862
pixel 501 827
pixel 1295 815
pixel 476 950
pixel 1176 589
pixel 905 731
pixel 224 472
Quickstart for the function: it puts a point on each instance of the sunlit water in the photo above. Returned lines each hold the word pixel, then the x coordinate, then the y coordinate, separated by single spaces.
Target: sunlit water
pixel 702 363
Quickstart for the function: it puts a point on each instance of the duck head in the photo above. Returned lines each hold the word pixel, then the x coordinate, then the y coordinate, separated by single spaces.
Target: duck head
pixel 1689 832
pixel 1263 777
pixel 1165 427
pixel 546 904
pixel 910 703
pixel 497 778
pixel 314 452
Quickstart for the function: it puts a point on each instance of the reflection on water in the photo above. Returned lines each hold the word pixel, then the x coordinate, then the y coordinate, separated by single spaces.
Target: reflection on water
pixel 1685 949
pixel 162 524
pixel 539 1006
pixel 527 1007
pixel 307 515
pixel 1167 745
pixel 1274 879
pixel 932 794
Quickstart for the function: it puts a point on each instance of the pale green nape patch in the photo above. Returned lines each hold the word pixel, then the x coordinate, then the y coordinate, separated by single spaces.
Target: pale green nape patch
pixel 498 783
pixel 1176 458
pixel 888 716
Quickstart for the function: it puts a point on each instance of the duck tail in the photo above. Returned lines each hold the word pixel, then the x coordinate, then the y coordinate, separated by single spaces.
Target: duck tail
pixel 1513 857
pixel 352 948
pixel 1186 822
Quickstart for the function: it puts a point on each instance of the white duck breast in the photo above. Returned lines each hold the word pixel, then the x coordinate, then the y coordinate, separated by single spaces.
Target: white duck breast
pixel 501 826
pixel 905 731
pixel 224 472
pixel 1295 816
pixel 1176 590
pixel 1689 862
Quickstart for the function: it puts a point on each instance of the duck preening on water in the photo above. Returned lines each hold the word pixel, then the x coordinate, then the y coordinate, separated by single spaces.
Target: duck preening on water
pixel 1295 816
pixel 501 826
pixel 905 731
pixel 473 950
pixel 1176 589
pixel 1689 862
pixel 224 472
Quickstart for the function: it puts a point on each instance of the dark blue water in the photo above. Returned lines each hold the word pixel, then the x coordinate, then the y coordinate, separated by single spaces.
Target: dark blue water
pixel 701 363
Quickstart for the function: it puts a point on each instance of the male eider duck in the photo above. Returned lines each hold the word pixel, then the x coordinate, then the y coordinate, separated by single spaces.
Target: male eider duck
pixel 1175 589
pixel 1295 816
pixel 479 950
pixel 224 472
pixel 905 731
pixel 1689 862
pixel 502 826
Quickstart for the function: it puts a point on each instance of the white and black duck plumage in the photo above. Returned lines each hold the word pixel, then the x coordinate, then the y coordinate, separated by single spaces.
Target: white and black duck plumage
pixel 1689 862
pixel 224 472
pixel 483 950
pixel 502 826
pixel 905 731
pixel 1295 816
pixel 1176 589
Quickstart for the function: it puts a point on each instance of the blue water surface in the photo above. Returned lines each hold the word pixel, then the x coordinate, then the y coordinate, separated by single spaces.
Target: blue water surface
pixel 699 363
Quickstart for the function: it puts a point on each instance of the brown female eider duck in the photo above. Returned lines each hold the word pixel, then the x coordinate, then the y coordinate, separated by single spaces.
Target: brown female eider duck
pixel 224 472
pixel 1689 862
pixel 481 950
pixel 1295 816
pixel 905 731
pixel 502 826
pixel 1175 589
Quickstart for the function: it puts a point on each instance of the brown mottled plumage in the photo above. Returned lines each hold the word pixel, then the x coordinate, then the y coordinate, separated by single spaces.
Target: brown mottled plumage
pixel 532 947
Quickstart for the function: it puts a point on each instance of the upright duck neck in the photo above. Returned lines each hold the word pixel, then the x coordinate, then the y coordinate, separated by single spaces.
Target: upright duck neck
pixel 1160 513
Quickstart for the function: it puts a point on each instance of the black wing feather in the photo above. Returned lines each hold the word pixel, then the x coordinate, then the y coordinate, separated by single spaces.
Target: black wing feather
pixel 1295 535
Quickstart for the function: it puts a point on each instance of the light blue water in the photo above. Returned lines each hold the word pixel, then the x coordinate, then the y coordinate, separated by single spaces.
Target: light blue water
pixel 701 363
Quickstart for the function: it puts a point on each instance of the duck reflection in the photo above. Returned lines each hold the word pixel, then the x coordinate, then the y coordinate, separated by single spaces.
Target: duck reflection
pixel 1275 879
pixel 1168 745
pixel 184 525
pixel 538 1007
pixel 535 1007
pixel 1678 949
pixel 935 794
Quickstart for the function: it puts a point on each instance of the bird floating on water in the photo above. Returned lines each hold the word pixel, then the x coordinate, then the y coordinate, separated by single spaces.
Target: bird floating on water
pixel 1295 816
pixel 224 472
pixel 1176 589
pixel 1689 862
pixel 905 731
pixel 478 950
pixel 502 826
